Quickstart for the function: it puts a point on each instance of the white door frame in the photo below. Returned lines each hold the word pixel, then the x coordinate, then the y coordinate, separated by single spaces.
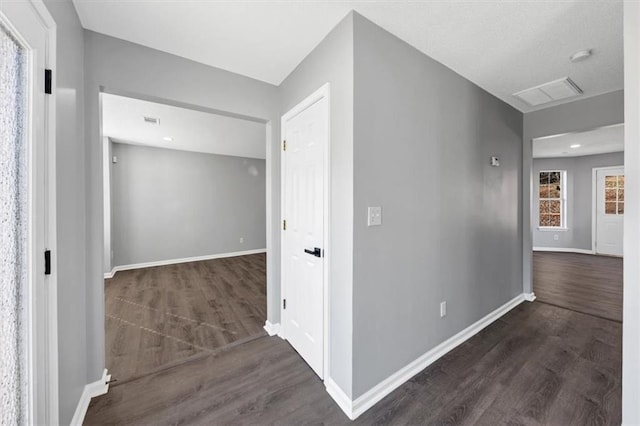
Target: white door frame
pixel 594 203
pixel 322 93
pixel 42 366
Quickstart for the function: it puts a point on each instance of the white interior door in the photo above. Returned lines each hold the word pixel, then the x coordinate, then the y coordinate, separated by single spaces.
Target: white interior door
pixel 305 131
pixel 29 392
pixel 609 210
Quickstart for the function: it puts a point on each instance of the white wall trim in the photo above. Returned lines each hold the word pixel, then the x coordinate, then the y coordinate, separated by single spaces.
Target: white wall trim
pixel 182 260
pixel 271 328
pixel 631 290
pixel 529 297
pixel 341 398
pixel 564 250
pixel 97 388
pixel 355 408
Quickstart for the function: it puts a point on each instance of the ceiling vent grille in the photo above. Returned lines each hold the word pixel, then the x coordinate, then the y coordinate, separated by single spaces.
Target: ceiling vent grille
pixel 553 91
pixel 151 120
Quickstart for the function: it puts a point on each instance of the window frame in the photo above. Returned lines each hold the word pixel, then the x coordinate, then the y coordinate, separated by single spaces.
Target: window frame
pixel 562 199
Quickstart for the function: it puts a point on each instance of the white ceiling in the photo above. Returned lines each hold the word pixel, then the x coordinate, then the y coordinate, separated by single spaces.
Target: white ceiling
pixel 122 121
pixel 503 46
pixel 598 141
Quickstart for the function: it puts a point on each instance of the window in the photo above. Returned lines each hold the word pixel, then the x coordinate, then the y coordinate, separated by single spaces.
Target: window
pixel 614 194
pixel 552 199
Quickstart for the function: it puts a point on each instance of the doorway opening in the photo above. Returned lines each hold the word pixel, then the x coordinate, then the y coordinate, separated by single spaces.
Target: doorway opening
pixel 185 235
pixel 577 214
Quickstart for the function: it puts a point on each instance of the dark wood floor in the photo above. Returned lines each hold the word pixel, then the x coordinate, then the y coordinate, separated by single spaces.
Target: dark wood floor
pixel 537 365
pixel 581 282
pixel 162 315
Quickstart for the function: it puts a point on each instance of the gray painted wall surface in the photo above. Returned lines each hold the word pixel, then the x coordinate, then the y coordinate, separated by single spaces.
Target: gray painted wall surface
pixel 127 68
pixel 70 200
pixel 579 198
pixel 332 61
pixel 586 114
pixel 170 204
pixel 450 231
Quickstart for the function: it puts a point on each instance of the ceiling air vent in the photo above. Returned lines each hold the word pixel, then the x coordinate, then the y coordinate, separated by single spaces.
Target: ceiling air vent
pixel 151 120
pixel 549 92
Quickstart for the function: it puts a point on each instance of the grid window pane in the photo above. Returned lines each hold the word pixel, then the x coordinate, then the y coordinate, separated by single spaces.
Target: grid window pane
pixel 610 208
pixel 555 220
pixel 554 207
pixel 554 177
pixel 620 208
pixel 544 178
pixel 611 181
pixel 545 220
pixel 620 181
pixel 544 191
pixel 554 191
pixel 610 194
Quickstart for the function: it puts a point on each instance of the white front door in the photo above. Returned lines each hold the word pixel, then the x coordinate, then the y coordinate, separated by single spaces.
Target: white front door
pixel 609 210
pixel 305 131
pixel 28 363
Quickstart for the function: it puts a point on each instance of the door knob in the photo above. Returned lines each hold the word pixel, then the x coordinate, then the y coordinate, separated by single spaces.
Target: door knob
pixel 317 252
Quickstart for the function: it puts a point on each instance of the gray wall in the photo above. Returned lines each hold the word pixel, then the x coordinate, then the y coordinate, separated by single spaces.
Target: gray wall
pixel 579 198
pixel 126 68
pixel 70 200
pixel 332 61
pixel 450 231
pixel 585 114
pixel 169 204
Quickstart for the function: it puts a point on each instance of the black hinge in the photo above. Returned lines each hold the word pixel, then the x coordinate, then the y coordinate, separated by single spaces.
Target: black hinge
pixel 284 145
pixel 47 262
pixel 48 74
pixel 284 303
pixel 284 225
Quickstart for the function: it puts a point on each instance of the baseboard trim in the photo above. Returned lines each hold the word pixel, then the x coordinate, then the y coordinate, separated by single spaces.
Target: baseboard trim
pixel 115 269
pixel 355 408
pixel 564 250
pixel 341 398
pixel 97 388
pixel 271 328
pixel 530 297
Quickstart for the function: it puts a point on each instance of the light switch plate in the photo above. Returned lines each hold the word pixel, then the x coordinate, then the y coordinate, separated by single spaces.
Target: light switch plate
pixel 374 216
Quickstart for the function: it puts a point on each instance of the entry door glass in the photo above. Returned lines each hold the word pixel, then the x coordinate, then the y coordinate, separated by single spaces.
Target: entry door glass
pixel 13 229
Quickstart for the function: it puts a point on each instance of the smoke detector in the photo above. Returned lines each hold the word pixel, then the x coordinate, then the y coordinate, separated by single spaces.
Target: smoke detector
pixel 580 55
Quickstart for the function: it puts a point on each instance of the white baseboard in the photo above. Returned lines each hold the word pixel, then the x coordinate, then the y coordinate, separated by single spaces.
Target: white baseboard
pixel 271 328
pixel 564 250
pixel 341 398
pixel 355 408
pixel 530 297
pixel 97 388
pixel 115 269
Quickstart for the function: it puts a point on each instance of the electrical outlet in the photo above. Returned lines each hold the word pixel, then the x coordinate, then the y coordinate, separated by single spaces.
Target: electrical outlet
pixel 374 216
pixel 241 240
pixel 443 309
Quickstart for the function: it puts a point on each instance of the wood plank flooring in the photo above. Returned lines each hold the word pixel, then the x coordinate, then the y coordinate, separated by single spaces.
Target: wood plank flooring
pixel 537 365
pixel 158 316
pixel 581 282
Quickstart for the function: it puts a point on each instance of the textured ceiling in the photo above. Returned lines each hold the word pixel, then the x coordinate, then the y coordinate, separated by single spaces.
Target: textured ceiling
pixel 122 121
pixel 597 141
pixel 502 46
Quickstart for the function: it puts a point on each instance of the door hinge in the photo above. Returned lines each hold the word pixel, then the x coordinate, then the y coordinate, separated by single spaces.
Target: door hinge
pixel 48 76
pixel 284 145
pixel 47 262
pixel 284 303
pixel 284 225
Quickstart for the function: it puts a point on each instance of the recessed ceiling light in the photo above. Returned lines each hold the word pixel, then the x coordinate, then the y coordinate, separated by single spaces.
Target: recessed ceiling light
pixel 575 145
pixel 168 139
pixel 580 55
